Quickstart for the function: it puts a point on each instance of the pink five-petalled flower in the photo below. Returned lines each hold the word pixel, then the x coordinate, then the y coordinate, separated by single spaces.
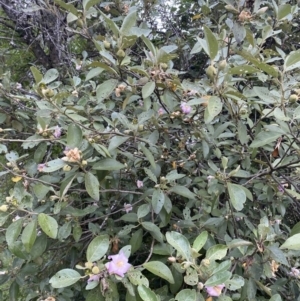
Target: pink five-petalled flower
pixel 215 291
pixel 139 184
pixel 40 167
pixel 127 207
pixel 185 108
pixel 118 265
pixel 57 132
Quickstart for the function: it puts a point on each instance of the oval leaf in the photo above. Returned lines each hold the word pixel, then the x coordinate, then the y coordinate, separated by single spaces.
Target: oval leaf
pixel 97 248
pixel 212 42
pixel 237 196
pixel 48 224
pixel 74 136
pixel 159 269
pixel 92 186
pixel 148 89
pixel 180 243
pixel 292 243
pixel 64 278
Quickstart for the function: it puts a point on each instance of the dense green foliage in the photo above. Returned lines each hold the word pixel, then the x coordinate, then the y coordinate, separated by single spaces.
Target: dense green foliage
pixel 142 150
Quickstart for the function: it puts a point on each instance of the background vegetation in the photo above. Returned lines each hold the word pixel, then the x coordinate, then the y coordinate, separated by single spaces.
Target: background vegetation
pixel 149 150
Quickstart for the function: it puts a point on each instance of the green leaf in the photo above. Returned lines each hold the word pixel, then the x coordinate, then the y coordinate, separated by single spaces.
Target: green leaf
pixel 48 224
pixel 235 243
pixel 264 138
pixel 116 141
pixel 150 174
pixel 200 241
pixel 154 231
pixel 64 231
pixel 183 191
pixel 186 295
pixel 92 186
pixel 137 278
pixel 54 165
pixel 104 90
pixel 159 269
pixel 292 243
pixel 278 255
pixel 243 69
pixel 260 65
pixel 143 210
pixel 218 278
pixel 157 201
pixel 235 283
pixel 150 46
pixel 40 190
pixel 216 252
pixel 180 243
pixel 213 109
pixel 237 196
pixel 97 248
pixel 67 6
pixel 74 136
pixel 292 61
pixel 148 89
pixel 276 297
pixel 212 42
pixel 93 72
pixel 29 234
pixel 128 23
pixel 146 293
pixel 38 76
pixel 50 76
pixel 108 164
pixel 283 11
pixel 295 229
pixel 112 25
pixel 87 4
pixel 77 232
pixel 242 132
pixel 239 32
pixel 13 231
pixel 64 278
pixel 148 155
pixel 65 185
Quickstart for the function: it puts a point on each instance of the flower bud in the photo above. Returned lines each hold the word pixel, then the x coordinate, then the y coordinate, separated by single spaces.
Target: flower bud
pixel 3 208
pixel 261 11
pixel 293 98
pixel 106 44
pixel 172 259
pixel 121 53
pixel 95 270
pixel 222 65
pixel 231 9
pixel 88 265
pixel 200 286
pixel 211 72
pixel 67 168
pixel 84 163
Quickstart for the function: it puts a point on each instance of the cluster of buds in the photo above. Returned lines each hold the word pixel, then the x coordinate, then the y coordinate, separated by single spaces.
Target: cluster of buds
pixel 244 16
pixel 120 89
pixel 72 155
pixel 159 75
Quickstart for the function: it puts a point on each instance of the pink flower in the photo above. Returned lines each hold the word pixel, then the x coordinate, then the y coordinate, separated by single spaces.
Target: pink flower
pixel 118 265
pixel 139 184
pixel 127 207
pixel 185 108
pixel 215 291
pixel 161 111
pixel 57 132
pixel 294 273
pixel 40 167
pixel 94 277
